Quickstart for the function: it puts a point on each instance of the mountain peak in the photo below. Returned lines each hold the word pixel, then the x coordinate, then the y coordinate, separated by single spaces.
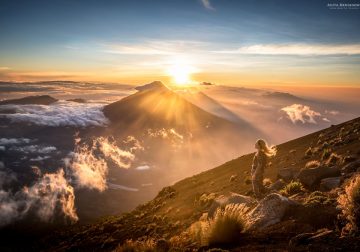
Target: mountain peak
pixel 152 85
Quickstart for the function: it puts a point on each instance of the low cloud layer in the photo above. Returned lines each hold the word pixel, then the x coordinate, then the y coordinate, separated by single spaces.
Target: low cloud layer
pixel 58 114
pixel 121 187
pixel 301 113
pixel 89 163
pixel 14 141
pixel 49 197
pixel 33 149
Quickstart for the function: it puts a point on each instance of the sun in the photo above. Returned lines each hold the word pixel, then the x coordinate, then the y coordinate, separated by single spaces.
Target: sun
pixel 180 72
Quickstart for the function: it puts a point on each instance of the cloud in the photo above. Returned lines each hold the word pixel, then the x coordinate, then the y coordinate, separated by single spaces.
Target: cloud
pixel 142 168
pixel 155 47
pixel 121 187
pixel 297 49
pixel 3 68
pixel 88 170
pixel 332 112
pixel 301 113
pixel 58 114
pixel 39 158
pixel 34 149
pixel 89 163
pixel 14 141
pixel 110 150
pixel 207 4
pixel 175 138
pixel 49 197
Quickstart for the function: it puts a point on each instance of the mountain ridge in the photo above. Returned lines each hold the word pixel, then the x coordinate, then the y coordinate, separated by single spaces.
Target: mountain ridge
pixel 178 206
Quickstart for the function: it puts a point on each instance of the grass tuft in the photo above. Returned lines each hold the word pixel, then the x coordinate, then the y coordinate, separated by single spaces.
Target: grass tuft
pixel 349 203
pixel 292 188
pixel 224 229
pixel 312 164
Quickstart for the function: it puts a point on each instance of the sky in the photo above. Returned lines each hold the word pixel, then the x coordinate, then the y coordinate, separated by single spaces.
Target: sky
pixel 231 42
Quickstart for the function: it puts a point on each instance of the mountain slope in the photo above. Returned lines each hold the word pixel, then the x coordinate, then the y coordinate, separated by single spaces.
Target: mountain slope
pixel 177 207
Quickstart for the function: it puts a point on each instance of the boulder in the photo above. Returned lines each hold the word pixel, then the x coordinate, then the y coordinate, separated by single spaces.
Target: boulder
pixel 286 174
pixel 277 185
pixel 306 239
pixel 351 167
pixel 350 158
pixel 328 184
pixel 311 176
pixel 269 211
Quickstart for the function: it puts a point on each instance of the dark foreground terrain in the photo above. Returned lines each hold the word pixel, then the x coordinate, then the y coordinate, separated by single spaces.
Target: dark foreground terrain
pixel 301 211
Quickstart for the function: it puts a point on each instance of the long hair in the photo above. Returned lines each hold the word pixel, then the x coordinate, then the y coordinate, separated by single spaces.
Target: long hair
pixel 269 151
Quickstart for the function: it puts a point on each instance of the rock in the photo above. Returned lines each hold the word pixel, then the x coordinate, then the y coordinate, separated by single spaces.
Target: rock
pixel 277 185
pixel 351 167
pixel 162 245
pixel 269 211
pixel 349 159
pixel 293 152
pixel 36 99
pixel 233 178
pixel 234 198
pixel 311 176
pixel 286 174
pixel 296 243
pixel 328 184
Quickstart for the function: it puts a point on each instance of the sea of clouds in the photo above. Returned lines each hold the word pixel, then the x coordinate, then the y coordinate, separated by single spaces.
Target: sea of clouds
pixel 61 113
pixel 52 195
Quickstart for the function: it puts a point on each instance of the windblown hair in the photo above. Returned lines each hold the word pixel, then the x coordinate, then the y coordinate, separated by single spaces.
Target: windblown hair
pixel 269 151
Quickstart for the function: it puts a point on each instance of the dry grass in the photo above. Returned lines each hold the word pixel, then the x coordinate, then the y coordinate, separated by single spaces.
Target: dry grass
pixel 308 152
pixel 292 188
pixel 326 154
pixel 148 245
pixel 312 164
pixel 317 199
pixel 222 230
pixel 207 199
pixel 333 159
pixel 267 182
pixel 349 202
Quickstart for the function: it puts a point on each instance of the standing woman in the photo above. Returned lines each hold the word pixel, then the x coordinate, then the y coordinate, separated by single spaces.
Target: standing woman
pixel 259 163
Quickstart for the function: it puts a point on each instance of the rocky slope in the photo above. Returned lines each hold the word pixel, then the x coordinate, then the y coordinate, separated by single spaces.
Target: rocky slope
pixel 298 212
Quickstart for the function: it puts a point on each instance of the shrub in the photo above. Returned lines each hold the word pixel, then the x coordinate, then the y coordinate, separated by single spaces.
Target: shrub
pixel 317 199
pixel 137 246
pixel 267 182
pixel 308 152
pixel 292 188
pixel 180 241
pixel 349 203
pixel 207 199
pixel 326 154
pixel 342 132
pixel 312 164
pixel 222 230
pixel 233 178
pixel 333 159
pixel 325 145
